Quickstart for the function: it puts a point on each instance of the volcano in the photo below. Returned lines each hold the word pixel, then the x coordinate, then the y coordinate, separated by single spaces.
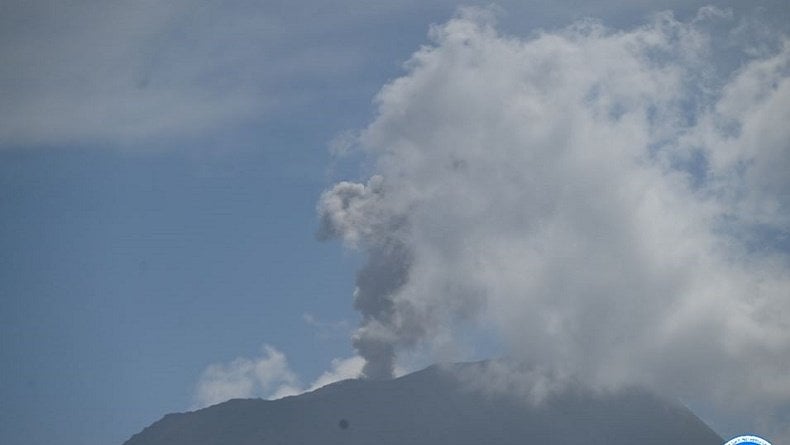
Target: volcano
pixel 434 406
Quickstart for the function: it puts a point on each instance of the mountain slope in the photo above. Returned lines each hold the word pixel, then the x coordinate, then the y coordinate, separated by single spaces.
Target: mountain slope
pixel 431 407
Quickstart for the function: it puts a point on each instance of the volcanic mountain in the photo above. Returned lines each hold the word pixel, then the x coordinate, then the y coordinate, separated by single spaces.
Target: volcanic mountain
pixel 435 406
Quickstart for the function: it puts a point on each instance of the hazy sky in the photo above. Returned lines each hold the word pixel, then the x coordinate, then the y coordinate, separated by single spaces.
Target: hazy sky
pixel 161 164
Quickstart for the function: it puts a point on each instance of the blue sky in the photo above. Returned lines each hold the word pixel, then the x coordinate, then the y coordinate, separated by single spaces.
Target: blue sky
pixel 160 168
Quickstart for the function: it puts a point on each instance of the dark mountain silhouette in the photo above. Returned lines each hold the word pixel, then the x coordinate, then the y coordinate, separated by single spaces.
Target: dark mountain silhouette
pixel 432 407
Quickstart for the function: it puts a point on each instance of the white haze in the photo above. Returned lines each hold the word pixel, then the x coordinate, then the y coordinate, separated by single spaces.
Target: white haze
pixel 268 376
pixel 613 204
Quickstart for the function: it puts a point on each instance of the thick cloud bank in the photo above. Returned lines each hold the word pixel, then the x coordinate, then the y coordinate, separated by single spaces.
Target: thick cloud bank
pixel 614 204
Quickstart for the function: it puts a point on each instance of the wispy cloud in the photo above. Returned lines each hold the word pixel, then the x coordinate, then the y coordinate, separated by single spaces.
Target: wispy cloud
pixel 80 72
pixel 328 329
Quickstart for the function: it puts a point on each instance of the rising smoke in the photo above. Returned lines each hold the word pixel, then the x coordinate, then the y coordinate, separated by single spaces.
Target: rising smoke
pixel 612 203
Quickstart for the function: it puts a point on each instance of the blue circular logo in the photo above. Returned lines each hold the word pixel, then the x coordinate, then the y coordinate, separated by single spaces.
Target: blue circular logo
pixel 748 440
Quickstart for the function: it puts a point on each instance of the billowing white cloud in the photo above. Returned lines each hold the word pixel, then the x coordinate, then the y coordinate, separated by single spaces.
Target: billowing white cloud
pixel 592 195
pixel 268 376
pixel 341 369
